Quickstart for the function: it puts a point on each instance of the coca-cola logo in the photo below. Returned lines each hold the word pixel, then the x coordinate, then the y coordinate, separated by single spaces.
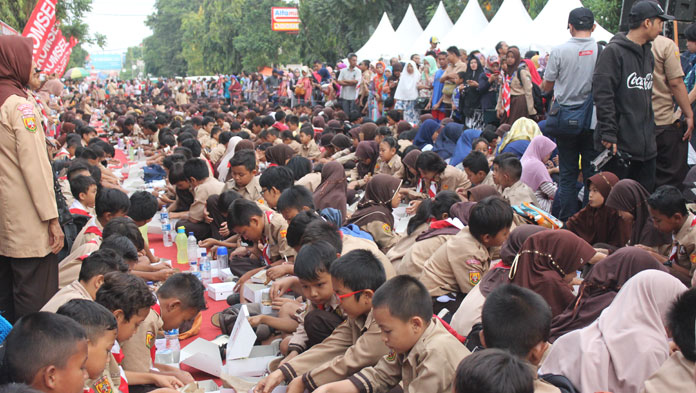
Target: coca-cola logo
pixel 634 81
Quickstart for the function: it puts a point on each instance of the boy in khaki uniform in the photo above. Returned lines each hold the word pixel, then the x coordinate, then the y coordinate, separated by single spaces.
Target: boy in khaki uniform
pixel 507 170
pixel 354 344
pixel 244 180
pixel 458 265
pixel 424 355
pixel 204 185
pixel 111 203
pixel 308 148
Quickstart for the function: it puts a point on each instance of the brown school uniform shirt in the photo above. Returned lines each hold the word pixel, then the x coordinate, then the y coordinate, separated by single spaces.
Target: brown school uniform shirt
pixel 453 179
pixel 251 191
pixel 519 193
pixel 91 231
pixel 541 386
pixel 298 341
pixel 217 153
pixel 73 291
pixel 413 261
pixel 210 186
pixel 69 267
pixel 110 378
pixel 27 200
pixel 675 375
pixel 457 266
pixel 353 345
pixel 296 146
pixel 394 167
pixel 275 230
pixel 383 233
pixel 667 67
pixel 65 189
pixel 430 366
pixel 351 243
pixel 310 150
pixel 311 181
pixel 685 243
pixel 400 249
pixel 488 180
pixel 136 350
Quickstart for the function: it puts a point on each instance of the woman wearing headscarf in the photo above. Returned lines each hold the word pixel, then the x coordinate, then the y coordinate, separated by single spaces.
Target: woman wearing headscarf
pixel 393 78
pixel 596 222
pixel 469 312
pixel 520 134
pixel 535 173
pixel 488 87
pixel 407 93
pixel 375 101
pixel 425 85
pixel 626 344
pixel 303 87
pixel 547 264
pixel 374 213
pixel 331 192
pixel 279 155
pixel 515 98
pixel 463 146
pixel 410 173
pixel 367 154
pixel 629 198
pixel 426 133
pixel 222 167
pixel 599 288
pixel 447 140
pixel 471 102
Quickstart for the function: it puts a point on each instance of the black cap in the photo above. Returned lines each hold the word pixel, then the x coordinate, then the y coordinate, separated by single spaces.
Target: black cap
pixel 581 17
pixel 647 9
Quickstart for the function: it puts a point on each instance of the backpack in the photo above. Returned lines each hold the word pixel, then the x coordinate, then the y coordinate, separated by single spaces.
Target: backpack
pixel 537 216
pixel 539 106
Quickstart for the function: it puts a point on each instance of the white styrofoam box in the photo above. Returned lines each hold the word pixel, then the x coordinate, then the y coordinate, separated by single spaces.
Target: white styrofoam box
pixel 220 291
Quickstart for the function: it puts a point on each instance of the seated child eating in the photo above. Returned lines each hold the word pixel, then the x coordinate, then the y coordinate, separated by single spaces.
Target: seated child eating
pixel 309 148
pixel 274 181
pixel 243 176
pixel 143 206
pixel 203 185
pixel 424 354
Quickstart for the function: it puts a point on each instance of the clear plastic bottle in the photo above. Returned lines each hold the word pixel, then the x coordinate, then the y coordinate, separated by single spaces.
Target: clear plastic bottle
pixel 172 337
pixel 206 269
pixel 193 269
pixel 192 247
pixel 120 144
pixel 166 228
pixel 181 246
pixel 222 260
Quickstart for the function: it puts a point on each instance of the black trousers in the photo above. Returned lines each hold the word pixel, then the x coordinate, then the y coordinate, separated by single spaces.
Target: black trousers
pixel 671 166
pixel 26 284
pixel 319 324
pixel 641 171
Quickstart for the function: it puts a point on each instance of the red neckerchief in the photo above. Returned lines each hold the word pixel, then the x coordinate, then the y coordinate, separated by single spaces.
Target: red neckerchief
pixel 94 230
pixel 81 212
pixel 156 308
pixel 44 116
pixel 439 224
pixel 462 339
pixel 266 252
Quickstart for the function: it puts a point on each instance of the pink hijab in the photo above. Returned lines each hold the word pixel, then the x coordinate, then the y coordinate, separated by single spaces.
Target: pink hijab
pixel 626 344
pixel 534 170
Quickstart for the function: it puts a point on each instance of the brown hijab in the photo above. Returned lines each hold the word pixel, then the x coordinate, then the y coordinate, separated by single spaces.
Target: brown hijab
pixel 544 260
pixel 375 205
pixel 244 144
pixel 600 287
pixel 478 193
pixel 15 65
pixel 602 224
pixel 410 162
pixel 368 131
pixel 460 210
pixel 628 195
pixel 331 192
pixel 365 150
pixel 341 142
pixel 279 154
pixel 402 126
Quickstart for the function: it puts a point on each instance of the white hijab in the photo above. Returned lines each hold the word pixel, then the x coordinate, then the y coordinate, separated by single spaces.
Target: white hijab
pixel 229 153
pixel 406 89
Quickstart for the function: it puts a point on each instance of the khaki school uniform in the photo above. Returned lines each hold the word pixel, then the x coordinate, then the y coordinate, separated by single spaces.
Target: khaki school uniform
pixel 685 243
pixel 400 249
pixel 299 340
pixel 394 167
pixel 488 180
pixel 457 266
pixel 430 366
pixel 310 150
pixel 73 291
pixel 413 261
pixel 351 243
pixel 65 189
pixel 251 191
pixel 91 231
pixel 469 312
pixel 210 186
pixel 311 181
pixel 205 139
pixel 217 153
pixel 353 345
pixel 541 386
pixel 453 179
pixel 519 193
pixel 69 267
pixel 383 233
pixel 296 146
pixel 110 379
pixel 274 244
pixel 675 375
pixel 136 350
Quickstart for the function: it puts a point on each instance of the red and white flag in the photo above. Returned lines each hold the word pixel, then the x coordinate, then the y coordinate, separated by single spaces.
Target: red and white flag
pixel 40 25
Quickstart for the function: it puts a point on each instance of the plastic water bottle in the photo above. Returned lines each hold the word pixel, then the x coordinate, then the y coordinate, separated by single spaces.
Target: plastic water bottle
pixel 172 337
pixel 222 260
pixel 141 154
pixel 166 228
pixel 206 271
pixel 181 246
pixel 120 144
pixel 193 269
pixel 192 247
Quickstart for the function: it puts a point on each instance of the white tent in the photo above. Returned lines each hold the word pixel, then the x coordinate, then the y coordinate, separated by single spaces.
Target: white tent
pixel 439 26
pixel 511 24
pixel 551 25
pixel 408 31
pixel 381 44
pixel 465 33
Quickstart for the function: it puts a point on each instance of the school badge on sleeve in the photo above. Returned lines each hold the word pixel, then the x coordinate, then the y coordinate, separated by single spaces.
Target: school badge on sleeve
pixel 28 117
pixel 692 258
pixel 386 228
pixel 150 340
pixel 102 385
pixel 283 233
pixel 391 356
pixel 474 277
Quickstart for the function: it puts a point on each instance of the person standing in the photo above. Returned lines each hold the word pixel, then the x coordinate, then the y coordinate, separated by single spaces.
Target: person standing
pixel 436 98
pixel 569 74
pixel 348 80
pixel 30 233
pixel 622 88
pixel 448 79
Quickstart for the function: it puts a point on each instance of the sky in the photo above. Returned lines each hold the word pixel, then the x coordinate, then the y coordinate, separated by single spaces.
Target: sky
pixel 121 21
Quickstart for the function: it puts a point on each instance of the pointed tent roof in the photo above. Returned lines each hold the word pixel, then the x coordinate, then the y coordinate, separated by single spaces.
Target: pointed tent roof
pixel 408 31
pixel 551 25
pixel 439 26
pixel 381 43
pixel 511 24
pixel 470 24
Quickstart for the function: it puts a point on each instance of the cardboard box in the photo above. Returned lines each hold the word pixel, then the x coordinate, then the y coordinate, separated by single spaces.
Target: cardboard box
pixel 255 365
pixel 220 291
pixel 254 292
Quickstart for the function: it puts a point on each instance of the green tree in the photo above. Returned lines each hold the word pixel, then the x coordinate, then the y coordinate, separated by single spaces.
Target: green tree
pixel 607 13
pixel 163 49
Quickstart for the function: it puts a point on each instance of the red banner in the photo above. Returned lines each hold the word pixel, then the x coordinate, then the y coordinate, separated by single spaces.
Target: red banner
pixel 59 55
pixel 40 24
pixel 48 47
pixel 66 57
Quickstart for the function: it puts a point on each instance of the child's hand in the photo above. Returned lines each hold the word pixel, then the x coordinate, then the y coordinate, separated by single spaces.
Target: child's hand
pixel 279 271
pixel 167 381
pixel 412 207
pixel 163 274
pixel 184 376
pixel 207 243
pixel 256 320
pixel 269 383
pixel 296 385
pixel 242 280
pixel 223 230
pixel 281 286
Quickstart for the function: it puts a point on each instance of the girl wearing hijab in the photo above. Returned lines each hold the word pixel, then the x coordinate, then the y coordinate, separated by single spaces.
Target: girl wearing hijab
pixel 427 133
pixel 407 93
pixel 535 174
pixel 596 222
pixel 447 140
pixel 599 288
pixel 626 344
pixel 375 100
pixel 515 98
pixel 374 213
pixel 464 145
pixel 410 172
pixel 471 103
pixel 331 192
pixel 425 85
pixel 469 312
pixel 547 264
pixel 393 80
pixel 367 154
pixel 279 155
pixel 517 139
pixel 222 167
pixel 478 193
pixel 629 199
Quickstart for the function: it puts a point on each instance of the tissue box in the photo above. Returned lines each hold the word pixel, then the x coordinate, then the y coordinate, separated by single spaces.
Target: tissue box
pixel 220 291
pixel 254 292
pixel 255 365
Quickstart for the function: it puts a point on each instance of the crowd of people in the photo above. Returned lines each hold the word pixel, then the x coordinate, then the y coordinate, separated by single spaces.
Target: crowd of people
pixel 546 246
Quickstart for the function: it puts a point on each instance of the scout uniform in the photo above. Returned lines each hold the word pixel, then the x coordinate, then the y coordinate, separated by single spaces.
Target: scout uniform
pixel 251 191
pixel 519 193
pixel 69 267
pixel 488 180
pixel 217 153
pixel 78 208
pixel 675 375
pixel 91 231
pixel 298 341
pixel 209 186
pixel 684 245
pixel 451 179
pixel 400 249
pixel 206 141
pixel 65 189
pixel 296 146
pixel 274 245
pixel 139 350
pixel 310 150
pixel 110 380
pixel 457 266
pixel 73 291
pixel 351 243
pixel 430 366
pixel 353 345
pixel 541 386
pixel 311 181
pixel 383 233
pixel 394 167
pixel 413 261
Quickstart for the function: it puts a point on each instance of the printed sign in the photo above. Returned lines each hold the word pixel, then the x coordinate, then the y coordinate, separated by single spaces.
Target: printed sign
pixel 285 19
